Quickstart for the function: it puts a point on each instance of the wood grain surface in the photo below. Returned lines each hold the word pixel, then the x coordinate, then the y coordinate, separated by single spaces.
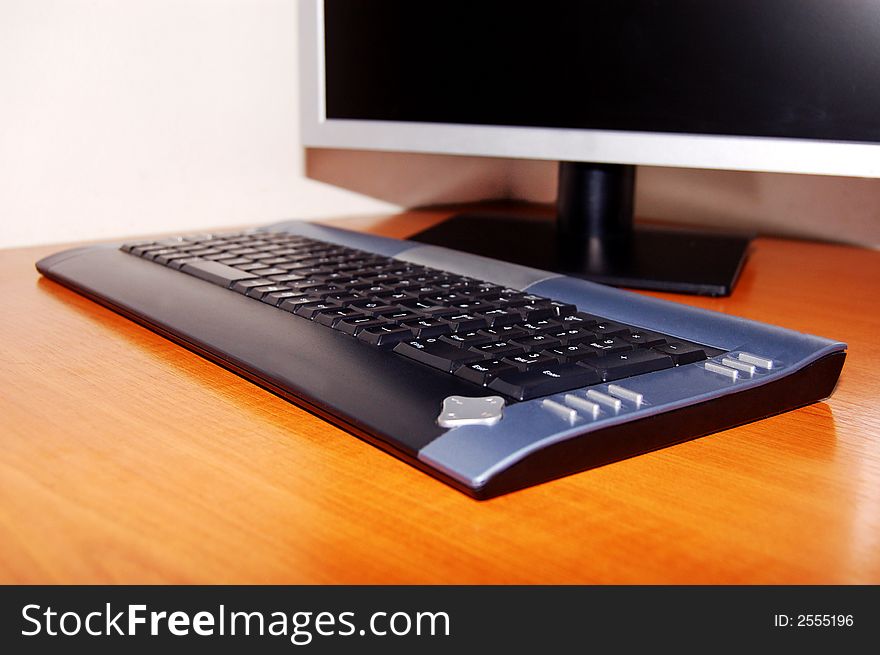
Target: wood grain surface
pixel 127 459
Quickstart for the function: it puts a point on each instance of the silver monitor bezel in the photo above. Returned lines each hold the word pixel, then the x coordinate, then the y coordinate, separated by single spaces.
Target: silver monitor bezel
pixel 642 148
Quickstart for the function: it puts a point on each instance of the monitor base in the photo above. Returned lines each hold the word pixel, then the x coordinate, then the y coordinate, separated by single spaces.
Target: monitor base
pixel 674 260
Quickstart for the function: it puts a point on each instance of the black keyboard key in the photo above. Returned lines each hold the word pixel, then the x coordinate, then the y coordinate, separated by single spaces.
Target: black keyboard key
pixel 237 261
pixel 329 317
pixel 643 338
pixel 423 291
pixel 243 252
pixel 574 336
pixel 400 316
pixel 140 245
pixel 311 309
pixel 682 353
pixel 175 255
pixel 384 335
pixel 544 381
pixel 473 306
pixel 243 286
pixel 440 312
pixel 511 299
pixel 428 327
pixel 531 361
pixel 464 322
pixel 535 311
pixel 342 297
pixel 485 294
pixel 321 289
pixel 437 354
pixel 255 266
pixel 627 364
pixel 605 328
pixel 291 304
pixel 571 353
pixel 199 252
pixel 179 263
pixel 224 257
pixel 500 317
pixel 215 272
pixel 466 339
pixel 390 297
pixel 272 261
pixel 279 296
pixel 422 306
pixel 162 254
pixel 542 326
pixel 259 292
pixel 536 342
pixel 499 349
pixel 372 307
pixel 441 298
pixel 579 320
pixel 355 324
pixel 265 272
pixel 144 251
pixel 563 308
pixel 609 345
pixel 484 372
pixel 505 333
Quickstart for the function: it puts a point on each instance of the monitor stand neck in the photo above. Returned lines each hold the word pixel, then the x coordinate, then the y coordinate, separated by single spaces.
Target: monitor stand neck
pixel 593 237
pixel 595 201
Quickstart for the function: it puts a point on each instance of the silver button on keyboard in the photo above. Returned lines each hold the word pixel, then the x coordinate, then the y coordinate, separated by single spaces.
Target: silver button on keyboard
pixel 563 412
pixel 626 394
pixel 729 373
pixel 583 405
pixel 461 410
pixel 739 366
pixel 610 402
pixel 757 360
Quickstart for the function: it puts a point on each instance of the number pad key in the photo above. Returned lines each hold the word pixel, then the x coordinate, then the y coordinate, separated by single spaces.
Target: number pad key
pixel 499 349
pixel 608 345
pixel 437 354
pixel 544 381
pixel 531 361
pixel 484 372
pixel 536 342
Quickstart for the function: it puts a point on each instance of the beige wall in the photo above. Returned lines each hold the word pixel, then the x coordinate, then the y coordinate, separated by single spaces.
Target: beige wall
pixel 810 206
pixel 807 206
pixel 136 116
pixel 123 118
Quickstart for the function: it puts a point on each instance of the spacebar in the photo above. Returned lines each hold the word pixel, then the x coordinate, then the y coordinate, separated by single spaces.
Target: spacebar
pixel 215 272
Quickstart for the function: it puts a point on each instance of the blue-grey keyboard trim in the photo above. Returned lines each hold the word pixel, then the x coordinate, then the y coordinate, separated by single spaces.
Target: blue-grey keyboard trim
pixel 474 454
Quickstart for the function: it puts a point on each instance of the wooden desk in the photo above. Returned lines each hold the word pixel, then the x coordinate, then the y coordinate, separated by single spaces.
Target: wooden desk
pixel 126 459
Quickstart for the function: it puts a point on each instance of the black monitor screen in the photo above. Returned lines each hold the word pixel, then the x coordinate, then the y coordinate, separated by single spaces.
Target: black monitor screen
pixel 771 68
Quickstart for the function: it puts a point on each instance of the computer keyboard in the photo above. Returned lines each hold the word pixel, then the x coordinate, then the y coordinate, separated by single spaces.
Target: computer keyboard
pixel 490 376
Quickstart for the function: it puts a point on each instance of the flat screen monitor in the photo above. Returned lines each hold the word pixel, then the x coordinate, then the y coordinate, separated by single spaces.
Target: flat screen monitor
pixel 761 85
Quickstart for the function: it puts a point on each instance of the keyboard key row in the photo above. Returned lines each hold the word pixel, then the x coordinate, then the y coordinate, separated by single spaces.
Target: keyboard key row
pixel 508 369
